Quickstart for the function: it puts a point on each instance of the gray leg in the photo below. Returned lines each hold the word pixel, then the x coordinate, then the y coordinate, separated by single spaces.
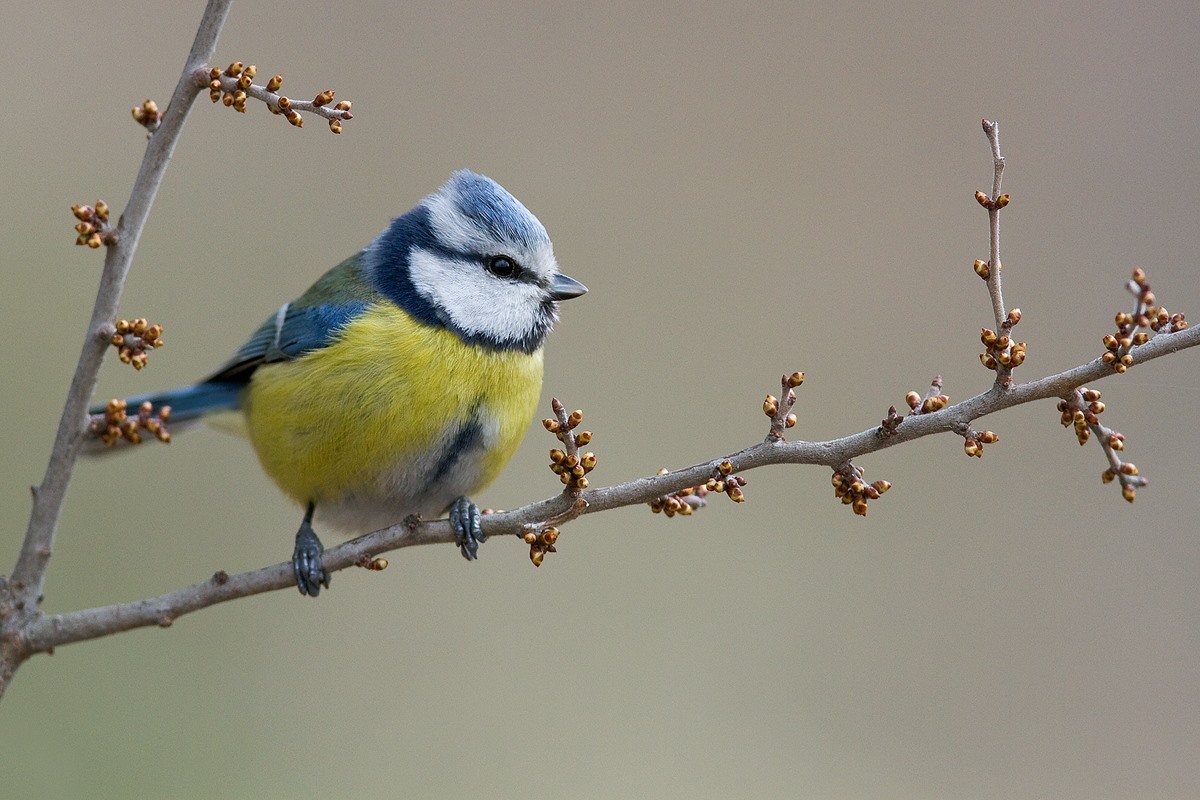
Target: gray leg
pixel 306 558
pixel 464 517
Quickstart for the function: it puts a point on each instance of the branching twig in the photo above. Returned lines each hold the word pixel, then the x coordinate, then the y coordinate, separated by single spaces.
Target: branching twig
pixel 24 588
pixel 235 84
pixel 991 129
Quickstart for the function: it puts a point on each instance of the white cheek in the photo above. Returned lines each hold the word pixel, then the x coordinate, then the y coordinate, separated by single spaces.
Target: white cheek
pixel 475 301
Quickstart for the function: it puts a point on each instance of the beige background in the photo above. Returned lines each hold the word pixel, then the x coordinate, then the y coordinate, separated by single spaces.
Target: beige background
pixel 747 191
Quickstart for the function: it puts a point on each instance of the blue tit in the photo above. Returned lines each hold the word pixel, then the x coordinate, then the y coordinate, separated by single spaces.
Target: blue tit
pixel 404 379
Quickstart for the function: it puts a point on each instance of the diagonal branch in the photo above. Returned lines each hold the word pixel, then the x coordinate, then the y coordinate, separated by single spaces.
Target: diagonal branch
pixel 29 573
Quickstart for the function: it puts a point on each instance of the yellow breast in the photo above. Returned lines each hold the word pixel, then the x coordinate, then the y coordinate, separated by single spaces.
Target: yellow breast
pixel 366 416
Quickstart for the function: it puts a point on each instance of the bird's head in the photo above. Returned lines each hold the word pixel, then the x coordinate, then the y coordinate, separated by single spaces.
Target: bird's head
pixel 471 258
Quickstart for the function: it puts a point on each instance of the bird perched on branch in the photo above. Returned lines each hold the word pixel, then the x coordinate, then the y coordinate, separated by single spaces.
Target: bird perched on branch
pixel 404 379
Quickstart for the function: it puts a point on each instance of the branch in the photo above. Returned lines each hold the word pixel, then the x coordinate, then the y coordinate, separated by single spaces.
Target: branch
pixel 29 573
pixel 991 129
pixel 235 84
pixel 991 271
pixel 48 632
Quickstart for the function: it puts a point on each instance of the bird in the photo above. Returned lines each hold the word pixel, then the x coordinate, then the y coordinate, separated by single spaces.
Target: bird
pixel 402 381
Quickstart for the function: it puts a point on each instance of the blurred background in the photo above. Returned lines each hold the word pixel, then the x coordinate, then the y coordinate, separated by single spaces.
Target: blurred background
pixel 747 191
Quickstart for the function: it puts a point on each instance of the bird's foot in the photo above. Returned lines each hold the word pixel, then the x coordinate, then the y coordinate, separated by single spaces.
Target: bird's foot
pixel 306 559
pixel 464 518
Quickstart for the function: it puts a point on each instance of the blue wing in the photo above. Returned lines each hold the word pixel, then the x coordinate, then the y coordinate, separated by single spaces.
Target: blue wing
pixel 291 333
pixel 309 323
pixel 306 324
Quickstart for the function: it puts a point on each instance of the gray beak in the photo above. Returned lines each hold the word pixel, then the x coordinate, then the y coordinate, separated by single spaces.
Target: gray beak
pixel 564 288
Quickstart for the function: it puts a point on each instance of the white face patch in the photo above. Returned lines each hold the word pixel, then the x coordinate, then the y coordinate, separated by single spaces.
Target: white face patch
pixel 476 301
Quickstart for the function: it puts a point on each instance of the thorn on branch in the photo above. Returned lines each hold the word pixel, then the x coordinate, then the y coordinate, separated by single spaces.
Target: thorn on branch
pixel 133 339
pixel 93 228
pixel 1146 314
pixel 115 424
pixel 849 487
pixel 235 85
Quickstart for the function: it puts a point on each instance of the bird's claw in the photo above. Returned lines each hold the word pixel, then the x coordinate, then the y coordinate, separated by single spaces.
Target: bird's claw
pixel 464 518
pixel 306 562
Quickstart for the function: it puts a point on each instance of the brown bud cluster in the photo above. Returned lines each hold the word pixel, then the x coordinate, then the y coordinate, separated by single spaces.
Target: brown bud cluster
pixel 1147 314
pixel 133 339
pixel 540 543
pixel 973 442
pixel 572 469
pixel 234 85
pixel 570 466
pixel 1001 352
pixel 116 424
pixel 372 563
pixel 724 482
pixel 779 410
pixel 849 487
pixel 683 502
pixel 230 86
pixel 1082 411
pixel 1082 418
pixel 990 204
pixel 93 228
pixel 889 425
pixel 147 115
pixel 928 405
pixel 1130 479
pixel 983 269
pixel 934 399
pixel 335 125
pixel 771 408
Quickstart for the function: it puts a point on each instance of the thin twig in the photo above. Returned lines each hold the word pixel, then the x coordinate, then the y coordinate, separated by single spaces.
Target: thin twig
pixel 991 129
pixel 51 631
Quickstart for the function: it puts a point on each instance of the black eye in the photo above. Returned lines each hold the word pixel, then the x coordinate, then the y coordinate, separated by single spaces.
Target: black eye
pixel 503 267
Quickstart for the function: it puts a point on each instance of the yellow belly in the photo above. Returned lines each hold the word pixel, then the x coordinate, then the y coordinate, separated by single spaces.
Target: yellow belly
pixel 364 418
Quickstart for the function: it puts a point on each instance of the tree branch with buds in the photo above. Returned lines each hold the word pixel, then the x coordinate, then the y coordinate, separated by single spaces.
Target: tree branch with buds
pixel 21 592
pixel 234 85
pixel 1148 333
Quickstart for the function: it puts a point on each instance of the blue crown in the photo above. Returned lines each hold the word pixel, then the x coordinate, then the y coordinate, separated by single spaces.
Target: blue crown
pixel 491 208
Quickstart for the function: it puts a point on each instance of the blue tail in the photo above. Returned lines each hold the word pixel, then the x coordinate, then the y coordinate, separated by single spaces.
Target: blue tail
pixel 190 402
